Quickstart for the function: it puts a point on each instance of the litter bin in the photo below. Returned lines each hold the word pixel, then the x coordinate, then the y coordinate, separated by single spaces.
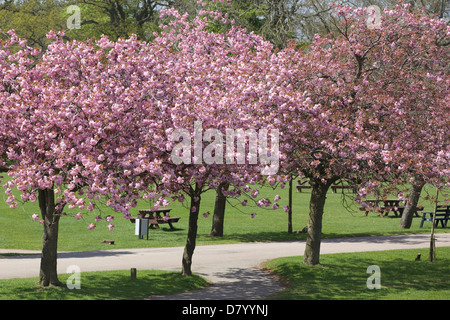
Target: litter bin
pixel 141 228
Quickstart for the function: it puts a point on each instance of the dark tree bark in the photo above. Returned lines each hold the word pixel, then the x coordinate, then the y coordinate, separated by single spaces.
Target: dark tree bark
pixel 48 275
pixel 316 207
pixel 219 212
pixel 290 207
pixel 192 232
pixel 411 205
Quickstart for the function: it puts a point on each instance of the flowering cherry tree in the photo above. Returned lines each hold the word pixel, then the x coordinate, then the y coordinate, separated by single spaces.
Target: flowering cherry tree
pixel 203 73
pixel 74 130
pixel 390 88
pixel 365 106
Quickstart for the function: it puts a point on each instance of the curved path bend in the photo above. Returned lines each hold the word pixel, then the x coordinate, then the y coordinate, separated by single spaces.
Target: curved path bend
pixel 233 269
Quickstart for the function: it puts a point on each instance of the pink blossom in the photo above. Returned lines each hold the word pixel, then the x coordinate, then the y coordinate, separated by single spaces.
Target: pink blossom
pixel 110 227
pixel 35 217
pixel 91 226
pixel 51 34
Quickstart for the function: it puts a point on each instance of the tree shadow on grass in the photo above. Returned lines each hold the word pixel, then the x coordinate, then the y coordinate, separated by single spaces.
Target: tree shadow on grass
pixel 347 277
pixel 115 285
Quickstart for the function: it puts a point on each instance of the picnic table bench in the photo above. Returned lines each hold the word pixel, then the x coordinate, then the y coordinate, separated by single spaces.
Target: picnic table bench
pixel 384 207
pixel 155 219
pixel 442 216
pixel 301 185
pixel 344 186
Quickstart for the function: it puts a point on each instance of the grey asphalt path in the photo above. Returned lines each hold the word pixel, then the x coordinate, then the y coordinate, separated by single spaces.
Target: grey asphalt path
pixel 232 269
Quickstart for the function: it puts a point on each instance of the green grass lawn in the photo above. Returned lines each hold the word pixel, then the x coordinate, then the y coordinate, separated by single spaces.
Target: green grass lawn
pixel 19 231
pixel 344 276
pixel 341 276
pixel 107 285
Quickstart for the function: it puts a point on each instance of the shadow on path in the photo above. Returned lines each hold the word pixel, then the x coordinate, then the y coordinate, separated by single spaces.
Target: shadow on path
pixel 233 284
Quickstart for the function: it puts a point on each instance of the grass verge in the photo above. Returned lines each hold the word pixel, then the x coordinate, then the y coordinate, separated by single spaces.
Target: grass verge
pixel 107 285
pixel 344 276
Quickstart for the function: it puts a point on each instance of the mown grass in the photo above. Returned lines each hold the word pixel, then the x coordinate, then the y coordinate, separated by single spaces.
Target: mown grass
pixel 341 276
pixel 107 285
pixel 341 219
pixel 344 276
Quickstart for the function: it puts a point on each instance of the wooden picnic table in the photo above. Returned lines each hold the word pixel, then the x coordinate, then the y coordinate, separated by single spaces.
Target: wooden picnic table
pixel 155 218
pixel 385 206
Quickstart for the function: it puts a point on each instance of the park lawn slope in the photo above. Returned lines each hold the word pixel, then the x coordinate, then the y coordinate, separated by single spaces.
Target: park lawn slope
pixel 344 276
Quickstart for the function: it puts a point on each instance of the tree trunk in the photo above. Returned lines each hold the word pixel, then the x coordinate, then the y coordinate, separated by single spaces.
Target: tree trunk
pixel 316 206
pixel 192 233
pixel 219 212
pixel 48 271
pixel 290 207
pixel 411 205
pixel 432 257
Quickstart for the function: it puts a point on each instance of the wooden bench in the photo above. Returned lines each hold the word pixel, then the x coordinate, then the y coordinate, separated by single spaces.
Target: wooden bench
pixel 155 219
pixel 342 187
pixel 442 216
pixel 384 207
pixel 301 185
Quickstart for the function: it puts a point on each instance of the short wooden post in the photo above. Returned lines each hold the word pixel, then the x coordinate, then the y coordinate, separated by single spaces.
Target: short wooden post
pixel 133 273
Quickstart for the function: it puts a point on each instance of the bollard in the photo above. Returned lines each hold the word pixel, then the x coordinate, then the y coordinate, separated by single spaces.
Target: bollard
pixel 133 273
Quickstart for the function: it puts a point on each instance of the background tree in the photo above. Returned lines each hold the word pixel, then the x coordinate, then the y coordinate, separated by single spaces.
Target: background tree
pixel 219 211
pixel 120 18
pixel 32 19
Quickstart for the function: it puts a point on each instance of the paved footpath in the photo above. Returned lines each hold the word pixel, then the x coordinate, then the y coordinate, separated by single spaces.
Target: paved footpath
pixel 231 268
